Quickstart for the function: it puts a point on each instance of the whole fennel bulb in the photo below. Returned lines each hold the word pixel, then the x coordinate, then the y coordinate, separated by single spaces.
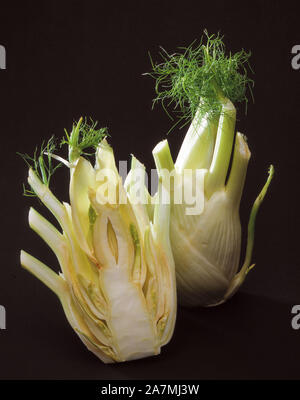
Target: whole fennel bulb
pixel 206 238
pixel 117 285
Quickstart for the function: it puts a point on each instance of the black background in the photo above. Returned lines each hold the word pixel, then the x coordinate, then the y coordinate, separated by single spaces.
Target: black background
pixel 82 58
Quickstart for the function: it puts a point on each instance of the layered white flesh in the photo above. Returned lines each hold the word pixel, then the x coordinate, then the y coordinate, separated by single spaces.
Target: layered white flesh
pixel 117 281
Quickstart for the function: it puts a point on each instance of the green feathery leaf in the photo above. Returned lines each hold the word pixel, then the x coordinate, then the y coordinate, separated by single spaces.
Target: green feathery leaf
pixel 84 135
pixel 42 163
pixel 196 78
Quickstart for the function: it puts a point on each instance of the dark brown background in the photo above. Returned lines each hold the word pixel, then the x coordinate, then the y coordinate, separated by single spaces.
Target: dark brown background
pixel 68 59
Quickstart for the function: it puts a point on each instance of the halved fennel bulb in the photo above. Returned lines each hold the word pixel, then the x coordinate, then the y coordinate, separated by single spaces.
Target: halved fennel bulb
pixel 117 285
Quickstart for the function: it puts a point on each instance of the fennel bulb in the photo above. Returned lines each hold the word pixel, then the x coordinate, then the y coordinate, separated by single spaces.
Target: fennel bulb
pixel 202 83
pixel 117 285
